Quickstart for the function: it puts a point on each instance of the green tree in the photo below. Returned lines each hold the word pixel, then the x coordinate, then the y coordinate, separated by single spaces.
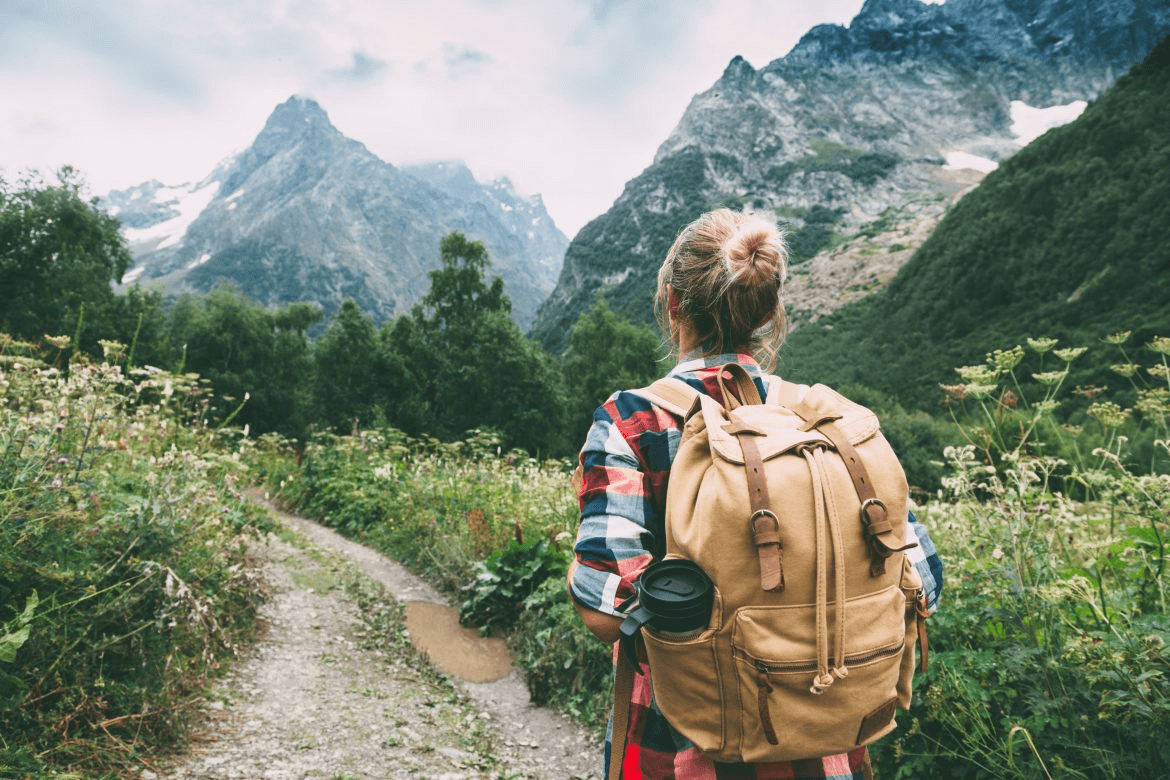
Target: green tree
pixel 58 255
pixel 248 351
pixel 458 361
pixel 347 360
pixel 605 354
pixel 140 322
pixel 459 292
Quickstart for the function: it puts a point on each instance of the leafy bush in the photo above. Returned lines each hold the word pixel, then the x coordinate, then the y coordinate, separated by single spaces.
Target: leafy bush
pixel 1049 653
pixel 505 581
pixel 564 664
pixel 124 570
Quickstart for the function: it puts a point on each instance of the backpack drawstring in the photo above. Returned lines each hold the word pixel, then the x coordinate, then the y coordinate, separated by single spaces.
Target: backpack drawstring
pixel 827 523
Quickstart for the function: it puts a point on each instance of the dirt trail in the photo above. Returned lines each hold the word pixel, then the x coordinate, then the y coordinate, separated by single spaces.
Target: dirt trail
pixel 318 699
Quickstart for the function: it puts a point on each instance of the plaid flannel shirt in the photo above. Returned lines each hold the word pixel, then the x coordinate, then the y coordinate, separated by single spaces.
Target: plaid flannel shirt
pixel 626 462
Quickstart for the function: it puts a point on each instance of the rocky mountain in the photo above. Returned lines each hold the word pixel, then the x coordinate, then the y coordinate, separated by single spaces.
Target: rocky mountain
pixel 859 131
pixel 1068 240
pixel 306 214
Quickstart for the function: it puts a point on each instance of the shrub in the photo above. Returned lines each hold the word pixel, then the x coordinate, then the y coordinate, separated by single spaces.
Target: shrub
pixel 125 576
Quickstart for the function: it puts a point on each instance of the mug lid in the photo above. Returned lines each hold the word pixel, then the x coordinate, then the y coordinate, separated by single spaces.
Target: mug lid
pixel 676 588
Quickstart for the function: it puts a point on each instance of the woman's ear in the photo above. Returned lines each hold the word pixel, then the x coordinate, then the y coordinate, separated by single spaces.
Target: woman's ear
pixel 672 302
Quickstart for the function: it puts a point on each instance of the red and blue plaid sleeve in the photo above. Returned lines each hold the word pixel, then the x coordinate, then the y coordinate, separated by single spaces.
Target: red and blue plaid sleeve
pixel 624 463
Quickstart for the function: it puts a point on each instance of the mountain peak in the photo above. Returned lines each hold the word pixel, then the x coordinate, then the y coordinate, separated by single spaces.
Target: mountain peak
pixel 890 13
pixel 297 118
pixel 298 122
pixel 739 73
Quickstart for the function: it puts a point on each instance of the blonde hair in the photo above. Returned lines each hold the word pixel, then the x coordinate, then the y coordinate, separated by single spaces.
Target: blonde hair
pixel 727 272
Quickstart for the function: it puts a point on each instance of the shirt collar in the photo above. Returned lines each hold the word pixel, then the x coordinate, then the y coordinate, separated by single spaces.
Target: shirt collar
pixel 695 361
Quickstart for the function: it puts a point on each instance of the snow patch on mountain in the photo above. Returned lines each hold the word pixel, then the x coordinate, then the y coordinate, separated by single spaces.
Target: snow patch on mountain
pixel 186 202
pixel 959 160
pixel 1029 123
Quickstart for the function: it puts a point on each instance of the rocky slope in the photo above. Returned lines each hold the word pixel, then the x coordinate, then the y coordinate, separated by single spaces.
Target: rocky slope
pixel 852 127
pixel 306 214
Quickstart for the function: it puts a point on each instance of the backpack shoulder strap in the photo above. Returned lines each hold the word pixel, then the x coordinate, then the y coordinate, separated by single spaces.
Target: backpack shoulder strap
pixel 673 395
pixel 784 393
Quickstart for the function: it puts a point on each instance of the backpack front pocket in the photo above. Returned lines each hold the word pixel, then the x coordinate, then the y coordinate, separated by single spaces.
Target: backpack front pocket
pixel 775 649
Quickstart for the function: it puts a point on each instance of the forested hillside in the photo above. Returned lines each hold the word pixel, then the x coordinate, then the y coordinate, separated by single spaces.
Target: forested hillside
pixel 1068 239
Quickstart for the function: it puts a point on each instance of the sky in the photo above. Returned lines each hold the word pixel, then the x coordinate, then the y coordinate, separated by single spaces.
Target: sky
pixel 569 99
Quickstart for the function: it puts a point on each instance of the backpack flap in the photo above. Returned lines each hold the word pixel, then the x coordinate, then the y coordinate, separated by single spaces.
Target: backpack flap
pixel 848 424
pixel 782 426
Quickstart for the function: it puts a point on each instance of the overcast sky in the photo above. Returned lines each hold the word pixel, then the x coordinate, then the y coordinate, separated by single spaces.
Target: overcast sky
pixel 568 98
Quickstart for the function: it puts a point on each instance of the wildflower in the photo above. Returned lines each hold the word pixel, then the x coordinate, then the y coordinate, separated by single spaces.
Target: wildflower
pixel 1154 403
pixel 976 374
pixel 1160 344
pixel 1125 369
pixel 1108 413
pixel 1050 378
pixel 1117 339
pixel 1159 370
pixel 955 392
pixel 1040 346
pixel 1005 360
pixel 112 350
pixel 1070 354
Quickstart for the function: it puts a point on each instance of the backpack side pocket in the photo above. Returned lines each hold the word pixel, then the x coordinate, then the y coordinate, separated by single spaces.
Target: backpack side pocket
pixel 687 683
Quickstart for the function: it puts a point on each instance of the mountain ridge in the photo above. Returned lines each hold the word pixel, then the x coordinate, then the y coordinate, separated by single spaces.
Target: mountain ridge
pixel 308 214
pixel 848 128
pixel 1067 240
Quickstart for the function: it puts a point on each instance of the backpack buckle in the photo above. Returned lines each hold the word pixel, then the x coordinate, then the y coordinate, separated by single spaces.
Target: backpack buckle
pixel 874 524
pixel 769 549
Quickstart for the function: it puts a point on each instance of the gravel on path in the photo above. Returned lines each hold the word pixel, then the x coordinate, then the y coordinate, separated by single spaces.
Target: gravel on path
pixel 333 689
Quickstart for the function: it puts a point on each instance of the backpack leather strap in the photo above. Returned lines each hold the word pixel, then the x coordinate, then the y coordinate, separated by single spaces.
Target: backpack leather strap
pixel 764 523
pixel 623 693
pixel 748 393
pixel 875 522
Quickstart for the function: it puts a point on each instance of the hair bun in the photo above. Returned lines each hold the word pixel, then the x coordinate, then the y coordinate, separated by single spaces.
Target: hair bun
pixel 755 253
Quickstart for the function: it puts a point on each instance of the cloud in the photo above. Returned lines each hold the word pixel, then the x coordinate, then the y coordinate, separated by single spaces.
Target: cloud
pixel 363 68
pixel 568 98
pixel 460 59
pixel 73 34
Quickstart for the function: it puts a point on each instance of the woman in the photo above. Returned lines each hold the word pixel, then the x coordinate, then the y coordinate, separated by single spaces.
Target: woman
pixel 718 301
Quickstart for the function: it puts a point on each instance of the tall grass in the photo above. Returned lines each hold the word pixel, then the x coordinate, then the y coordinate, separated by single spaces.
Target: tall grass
pixel 1049 652
pixel 125 576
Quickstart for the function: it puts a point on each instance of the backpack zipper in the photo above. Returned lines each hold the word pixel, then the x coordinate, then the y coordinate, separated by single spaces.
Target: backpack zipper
pixel 777 667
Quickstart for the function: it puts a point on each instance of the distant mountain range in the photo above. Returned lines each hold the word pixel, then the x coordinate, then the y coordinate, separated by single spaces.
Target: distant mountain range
pixel 306 214
pixel 861 132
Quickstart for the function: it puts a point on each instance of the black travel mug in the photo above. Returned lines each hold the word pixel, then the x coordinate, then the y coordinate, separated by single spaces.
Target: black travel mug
pixel 674 600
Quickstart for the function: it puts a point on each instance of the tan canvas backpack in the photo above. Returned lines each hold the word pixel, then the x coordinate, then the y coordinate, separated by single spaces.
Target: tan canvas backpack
pixel 797 511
